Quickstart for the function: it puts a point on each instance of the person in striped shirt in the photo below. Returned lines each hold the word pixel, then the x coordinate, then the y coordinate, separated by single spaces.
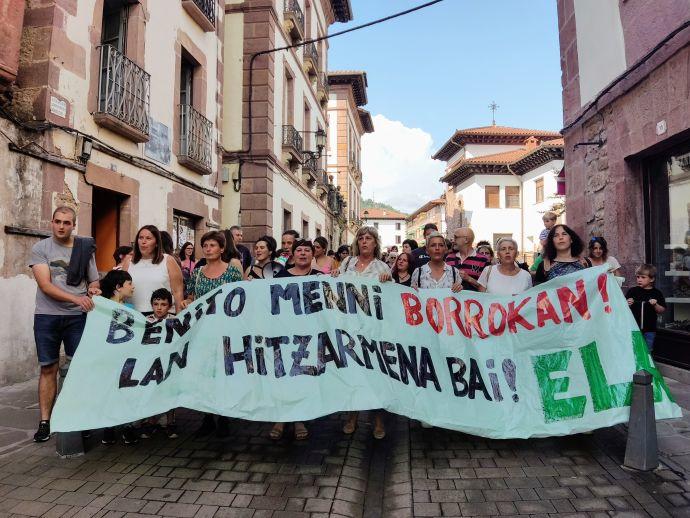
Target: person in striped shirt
pixel 469 263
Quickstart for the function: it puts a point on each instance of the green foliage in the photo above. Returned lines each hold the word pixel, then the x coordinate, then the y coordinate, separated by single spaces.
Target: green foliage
pixel 371 204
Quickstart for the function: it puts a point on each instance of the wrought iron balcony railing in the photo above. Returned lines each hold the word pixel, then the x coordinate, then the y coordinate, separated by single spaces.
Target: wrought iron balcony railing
pixel 208 7
pixel 196 139
pixel 310 53
pixel 123 93
pixel 203 12
pixel 309 163
pixel 294 14
pixel 292 138
pixel 322 85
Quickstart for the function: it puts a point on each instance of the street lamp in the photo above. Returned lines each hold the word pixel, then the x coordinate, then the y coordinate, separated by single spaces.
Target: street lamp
pixel 320 138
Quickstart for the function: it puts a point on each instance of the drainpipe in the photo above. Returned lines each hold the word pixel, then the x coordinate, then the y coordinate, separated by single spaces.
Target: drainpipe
pixel 522 212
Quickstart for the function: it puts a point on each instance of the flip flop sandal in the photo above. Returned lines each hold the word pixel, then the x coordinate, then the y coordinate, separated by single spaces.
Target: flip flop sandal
pixel 301 433
pixel 350 427
pixel 276 433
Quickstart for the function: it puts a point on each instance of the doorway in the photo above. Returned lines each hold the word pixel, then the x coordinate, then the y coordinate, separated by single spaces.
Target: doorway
pixel 105 225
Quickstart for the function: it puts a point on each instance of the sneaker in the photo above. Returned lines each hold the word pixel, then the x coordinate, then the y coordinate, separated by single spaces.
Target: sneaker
pixel 109 436
pixel 207 426
pixel 223 429
pixel 43 432
pixel 146 431
pixel 170 431
pixel 129 436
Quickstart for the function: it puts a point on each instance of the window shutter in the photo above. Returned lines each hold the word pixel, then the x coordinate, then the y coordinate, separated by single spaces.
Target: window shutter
pixel 512 197
pixel 491 194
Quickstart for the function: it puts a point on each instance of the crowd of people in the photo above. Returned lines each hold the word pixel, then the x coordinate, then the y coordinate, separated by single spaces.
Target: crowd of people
pixel 150 277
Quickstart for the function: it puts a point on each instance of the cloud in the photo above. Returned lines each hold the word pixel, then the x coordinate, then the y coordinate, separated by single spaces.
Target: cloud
pixel 397 167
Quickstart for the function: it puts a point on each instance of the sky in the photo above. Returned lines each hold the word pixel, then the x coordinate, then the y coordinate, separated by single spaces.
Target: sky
pixel 437 70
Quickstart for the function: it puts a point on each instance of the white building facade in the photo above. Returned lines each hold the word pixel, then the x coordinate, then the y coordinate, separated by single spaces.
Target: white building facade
pixel 391 225
pixel 500 181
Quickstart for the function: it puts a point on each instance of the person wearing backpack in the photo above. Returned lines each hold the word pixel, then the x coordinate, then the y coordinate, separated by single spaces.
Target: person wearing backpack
pixel 437 273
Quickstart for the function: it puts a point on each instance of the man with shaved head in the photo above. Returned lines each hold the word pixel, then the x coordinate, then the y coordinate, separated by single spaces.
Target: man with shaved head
pixel 469 263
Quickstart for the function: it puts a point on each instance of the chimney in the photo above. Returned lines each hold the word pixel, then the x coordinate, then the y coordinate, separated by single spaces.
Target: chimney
pixel 531 143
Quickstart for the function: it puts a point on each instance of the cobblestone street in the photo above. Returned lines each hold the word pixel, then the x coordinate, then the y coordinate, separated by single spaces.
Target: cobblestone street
pixel 413 472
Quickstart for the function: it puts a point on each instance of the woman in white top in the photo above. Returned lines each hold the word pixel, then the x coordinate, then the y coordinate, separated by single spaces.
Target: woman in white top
pixel 599 254
pixel 151 269
pixel 366 257
pixel 365 261
pixel 506 277
pixel 437 273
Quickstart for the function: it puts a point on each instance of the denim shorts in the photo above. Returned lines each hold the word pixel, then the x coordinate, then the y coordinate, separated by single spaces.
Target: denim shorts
pixel 52 330
pixel 649 337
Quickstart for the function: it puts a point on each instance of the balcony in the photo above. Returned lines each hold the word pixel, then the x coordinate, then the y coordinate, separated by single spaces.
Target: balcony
pixel 309 169
pixel 292 146
pixel 203 12
pixel 123 96
pixel 322 185
pixel 322 90
pixel 196 140
pixel 311 59
pixel 293 20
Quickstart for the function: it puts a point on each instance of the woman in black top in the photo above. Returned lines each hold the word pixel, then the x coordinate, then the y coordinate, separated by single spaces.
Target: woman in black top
pixel 562 254
pixel 303 255
pixel 264 264
pixel 402 273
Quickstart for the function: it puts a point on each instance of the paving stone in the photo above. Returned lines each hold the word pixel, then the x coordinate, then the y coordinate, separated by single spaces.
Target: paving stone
pixel 31 508
pixel 268 502
pixel 607 491
pixel 591 504
pixel 478 509
pixel 451 495
pixel 501 495
pixel 220 499
pixel 179 510
pixel 318 505
pixel 164 494
pixel 427 509
pixel 125 505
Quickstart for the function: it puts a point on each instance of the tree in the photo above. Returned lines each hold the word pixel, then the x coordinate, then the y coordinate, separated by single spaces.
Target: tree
pixel 371 204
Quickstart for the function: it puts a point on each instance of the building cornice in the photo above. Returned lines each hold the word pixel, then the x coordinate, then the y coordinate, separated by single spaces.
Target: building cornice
pixel 490 166
pixel 356 79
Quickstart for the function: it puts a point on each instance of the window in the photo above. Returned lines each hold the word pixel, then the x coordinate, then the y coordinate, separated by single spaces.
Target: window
pixel 397 226
pixel 491 197
pixel 669 246
pixel 184 229
pixel 512 197
pixel 305 229
pixel 539 185
pixel 376 225
pixel 114 30
pixel 289 100
pixel 287 220
pixel 500 236
pixel 187 67
pixel 397 239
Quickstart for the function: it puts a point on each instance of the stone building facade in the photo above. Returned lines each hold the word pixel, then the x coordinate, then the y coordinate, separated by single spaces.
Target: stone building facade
pixel 115 110
pixel 627 142
pixel 275 169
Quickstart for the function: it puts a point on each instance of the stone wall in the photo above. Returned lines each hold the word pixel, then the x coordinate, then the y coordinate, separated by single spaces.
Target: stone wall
pixel 604 183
